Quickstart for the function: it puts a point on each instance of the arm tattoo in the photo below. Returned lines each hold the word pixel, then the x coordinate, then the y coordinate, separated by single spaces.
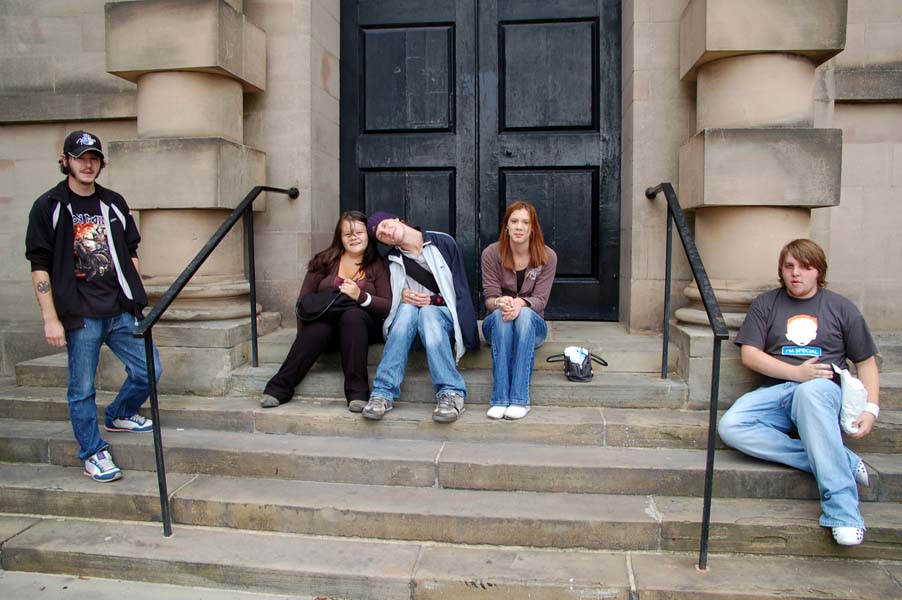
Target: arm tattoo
pixel 43 287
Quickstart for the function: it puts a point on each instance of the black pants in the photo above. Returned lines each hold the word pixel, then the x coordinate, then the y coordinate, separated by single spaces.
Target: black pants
pixel 352 332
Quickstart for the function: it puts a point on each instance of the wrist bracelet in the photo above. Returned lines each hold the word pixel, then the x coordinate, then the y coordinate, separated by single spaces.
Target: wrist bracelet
pixel 872 408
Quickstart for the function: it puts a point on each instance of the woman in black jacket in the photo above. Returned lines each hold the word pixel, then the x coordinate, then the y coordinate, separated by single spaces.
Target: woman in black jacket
pixel 352 265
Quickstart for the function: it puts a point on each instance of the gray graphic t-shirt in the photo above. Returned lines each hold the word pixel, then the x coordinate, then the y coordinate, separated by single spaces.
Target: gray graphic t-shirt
pixel 826 326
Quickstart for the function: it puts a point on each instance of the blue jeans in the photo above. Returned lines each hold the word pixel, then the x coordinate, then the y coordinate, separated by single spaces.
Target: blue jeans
pixel 83 347
pixel 514 346
pixel 760 423
pixel 435 328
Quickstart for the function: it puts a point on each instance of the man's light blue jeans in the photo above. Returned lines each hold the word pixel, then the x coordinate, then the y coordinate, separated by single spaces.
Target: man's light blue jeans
pixel 435 328
pixel 83 347
pixel 760 423
pixel 514 346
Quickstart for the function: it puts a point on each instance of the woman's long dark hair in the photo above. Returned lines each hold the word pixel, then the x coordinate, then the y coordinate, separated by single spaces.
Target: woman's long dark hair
pixel 326 260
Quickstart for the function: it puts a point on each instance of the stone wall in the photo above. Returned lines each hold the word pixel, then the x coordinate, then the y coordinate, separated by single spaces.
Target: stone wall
pixel 861 90
pixel 53 63
pixel 658 117
pixel 296 123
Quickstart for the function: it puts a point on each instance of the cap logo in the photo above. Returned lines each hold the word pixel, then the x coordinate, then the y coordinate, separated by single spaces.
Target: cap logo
pixel 86 140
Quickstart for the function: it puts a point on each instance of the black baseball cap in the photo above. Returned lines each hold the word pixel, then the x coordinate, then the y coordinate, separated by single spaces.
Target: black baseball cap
pixel 79 142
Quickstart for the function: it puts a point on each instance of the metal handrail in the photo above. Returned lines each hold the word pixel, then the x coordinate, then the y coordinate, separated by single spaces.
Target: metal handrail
pixel 144 328
pixel 718 328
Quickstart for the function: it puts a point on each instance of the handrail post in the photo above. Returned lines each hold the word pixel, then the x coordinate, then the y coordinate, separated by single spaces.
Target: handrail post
pixel 718 328
pixel 709 461
pixel 252 275
pixel 145 327
pixel 667 280
pixel 157 435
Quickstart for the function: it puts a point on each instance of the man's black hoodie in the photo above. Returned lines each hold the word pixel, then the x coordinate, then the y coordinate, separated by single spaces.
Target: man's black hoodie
pixel 49 245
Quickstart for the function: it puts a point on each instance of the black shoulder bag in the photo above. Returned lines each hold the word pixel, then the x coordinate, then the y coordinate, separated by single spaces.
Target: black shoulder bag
pixel 577 363
pixel 322 305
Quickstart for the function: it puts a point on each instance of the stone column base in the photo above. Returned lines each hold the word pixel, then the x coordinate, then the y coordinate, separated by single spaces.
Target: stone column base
pixel 695 346
pixel 197 357
pixel 204 298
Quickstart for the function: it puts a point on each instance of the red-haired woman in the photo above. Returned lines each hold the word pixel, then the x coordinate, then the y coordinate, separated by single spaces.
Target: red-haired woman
pixel 351 264
pixel 517 274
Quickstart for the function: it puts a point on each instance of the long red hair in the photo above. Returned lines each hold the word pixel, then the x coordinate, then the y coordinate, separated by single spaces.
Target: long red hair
pixel 537 253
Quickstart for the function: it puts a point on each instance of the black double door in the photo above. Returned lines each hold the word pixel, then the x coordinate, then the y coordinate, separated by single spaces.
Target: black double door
pixel 453 109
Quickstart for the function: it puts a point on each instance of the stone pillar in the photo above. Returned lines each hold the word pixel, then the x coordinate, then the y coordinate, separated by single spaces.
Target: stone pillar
pixel 192 61
pixel 756 166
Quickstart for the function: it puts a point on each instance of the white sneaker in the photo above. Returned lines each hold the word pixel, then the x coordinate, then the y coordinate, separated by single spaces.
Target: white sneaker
pixel 848 536
pixel 861 474
pixel 496 412
pixel 100 467
pixel 135 423
pixel 516 411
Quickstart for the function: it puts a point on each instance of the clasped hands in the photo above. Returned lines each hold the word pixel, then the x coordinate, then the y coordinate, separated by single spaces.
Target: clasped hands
pixel 509 307
pixel 408 296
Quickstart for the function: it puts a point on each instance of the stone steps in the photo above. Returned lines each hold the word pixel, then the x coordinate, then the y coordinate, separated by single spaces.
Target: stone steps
pixel 605 426
pixel 635 390
pixel 624 352
pixel 65 587
pixel 325 381
pixel 358 569
pixel 889 346
pixel 444 464
pixel 595 495
pixel 468 517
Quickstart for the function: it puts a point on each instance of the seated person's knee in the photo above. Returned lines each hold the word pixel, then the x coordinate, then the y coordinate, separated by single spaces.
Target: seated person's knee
pixel 352 316
pixel 728 428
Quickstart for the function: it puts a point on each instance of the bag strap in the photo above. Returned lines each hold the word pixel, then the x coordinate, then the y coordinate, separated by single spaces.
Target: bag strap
pixel 419 274
pixel 556 358
pixel 598 359
pixel 297 308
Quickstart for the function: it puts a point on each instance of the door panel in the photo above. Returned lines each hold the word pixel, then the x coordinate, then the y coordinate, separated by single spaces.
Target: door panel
pixel 565 203
pixel 407 79
pixel 451 109
pixel 408 114
pixel 544 76
pixel 402 193
pixel 548 133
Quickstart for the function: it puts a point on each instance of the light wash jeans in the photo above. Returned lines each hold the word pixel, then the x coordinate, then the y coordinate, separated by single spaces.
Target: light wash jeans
pixel 83 347
pixel 759 424
pixel 435 328
pixel 514 346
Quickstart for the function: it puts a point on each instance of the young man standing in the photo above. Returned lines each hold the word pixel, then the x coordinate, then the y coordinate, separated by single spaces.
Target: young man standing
pixel 82 243
pixel 430 299
pixel 793 335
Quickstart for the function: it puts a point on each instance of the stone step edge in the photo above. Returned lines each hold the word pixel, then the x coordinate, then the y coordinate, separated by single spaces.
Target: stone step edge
pixel 26 585
pixel 457 466
pixel 458 571
pixel 584 521
pixel 606 426
pixel 619 360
